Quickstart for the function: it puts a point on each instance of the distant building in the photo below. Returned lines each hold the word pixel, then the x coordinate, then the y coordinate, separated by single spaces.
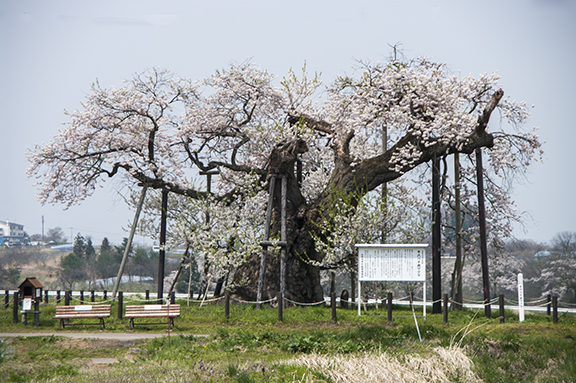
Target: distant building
pixel 11 233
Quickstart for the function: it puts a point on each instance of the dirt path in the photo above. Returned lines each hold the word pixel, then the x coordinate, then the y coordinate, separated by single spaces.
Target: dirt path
pixel 92 335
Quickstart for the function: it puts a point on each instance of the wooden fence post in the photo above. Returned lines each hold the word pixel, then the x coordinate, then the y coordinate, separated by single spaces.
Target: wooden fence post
pixel 58 297
pixel 445 308
pixel 105 295
pixel 46 296
pixel 37 313
pixel 6 298
pixel 344 299
pixel 501 304
pixel 549 305
pixel 67 296
pixel 92 296
pixel 81 297
pixel 389 307
pixel 172 298
pixel 147 294
pixel 280 304
pixel 555 309
pixel 120 304
pixel 227 304
pixel 333 305
pixel 16 305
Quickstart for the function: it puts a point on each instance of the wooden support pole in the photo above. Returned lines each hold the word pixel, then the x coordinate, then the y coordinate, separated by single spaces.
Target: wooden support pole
pixel 92 298
pixel 6 298
pixel 147 294
pixel 105 295
pixel 67 297
pixel 46 296
pixel 501 304
pixel 162 252
pixel 483 240
pixel 549 305
pixel 58 297
pixel 173 298
pixel 266 238
pixel 81 297
pixel 283 238
pixel 129 243
pixel 436 238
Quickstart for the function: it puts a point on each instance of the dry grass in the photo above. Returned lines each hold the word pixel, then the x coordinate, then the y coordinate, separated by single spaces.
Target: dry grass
pixel 443 365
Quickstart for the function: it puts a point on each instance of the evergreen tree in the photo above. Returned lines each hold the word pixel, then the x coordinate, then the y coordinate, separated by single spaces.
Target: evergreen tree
pixel 79 248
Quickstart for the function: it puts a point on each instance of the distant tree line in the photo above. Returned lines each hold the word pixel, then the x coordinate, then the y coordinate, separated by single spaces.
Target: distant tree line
pixel 85 265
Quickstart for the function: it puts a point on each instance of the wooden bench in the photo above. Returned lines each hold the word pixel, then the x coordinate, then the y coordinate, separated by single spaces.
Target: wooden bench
pixel 151 311
pixel 83 311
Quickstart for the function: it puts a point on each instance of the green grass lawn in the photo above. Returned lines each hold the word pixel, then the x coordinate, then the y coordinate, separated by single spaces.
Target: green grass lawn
pixel 252 346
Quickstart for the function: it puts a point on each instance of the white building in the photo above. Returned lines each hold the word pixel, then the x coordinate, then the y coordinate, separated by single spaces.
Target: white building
pixel 11 233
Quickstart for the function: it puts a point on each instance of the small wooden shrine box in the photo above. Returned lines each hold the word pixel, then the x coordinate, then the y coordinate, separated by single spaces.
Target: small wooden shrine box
pixel 31 288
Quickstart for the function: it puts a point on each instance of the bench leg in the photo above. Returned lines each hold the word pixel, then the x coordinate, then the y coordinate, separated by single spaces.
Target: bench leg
pixel 131 324
pixel 61 325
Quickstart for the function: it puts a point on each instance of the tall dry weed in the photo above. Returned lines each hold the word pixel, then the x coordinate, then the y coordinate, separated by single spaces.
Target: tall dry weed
pixel 442 365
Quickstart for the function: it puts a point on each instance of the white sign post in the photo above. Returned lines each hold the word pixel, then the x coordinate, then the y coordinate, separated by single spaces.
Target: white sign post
pixel 521 297
pixel 400 263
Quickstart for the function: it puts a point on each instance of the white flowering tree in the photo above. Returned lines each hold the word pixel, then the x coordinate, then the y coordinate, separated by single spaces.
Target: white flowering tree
pixel 158 130
pixel 558 276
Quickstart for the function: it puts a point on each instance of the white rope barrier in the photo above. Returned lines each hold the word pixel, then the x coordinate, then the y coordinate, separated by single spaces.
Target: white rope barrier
pixel 253 302
pixel 305 304
pixel 207 300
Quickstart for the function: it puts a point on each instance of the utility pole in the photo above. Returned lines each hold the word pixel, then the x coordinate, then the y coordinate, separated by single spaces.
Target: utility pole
pixel 483 243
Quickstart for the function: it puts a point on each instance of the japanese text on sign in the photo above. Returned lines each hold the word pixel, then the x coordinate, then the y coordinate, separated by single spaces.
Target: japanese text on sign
pixel 406 263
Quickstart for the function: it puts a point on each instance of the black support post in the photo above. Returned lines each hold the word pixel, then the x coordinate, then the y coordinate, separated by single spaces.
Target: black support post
pixel 436 238
pixel 483 240
pixel 120 304
pixel 162 252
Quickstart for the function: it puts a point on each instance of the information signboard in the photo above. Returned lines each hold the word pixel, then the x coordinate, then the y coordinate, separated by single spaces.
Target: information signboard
pixel 400 263
pixel 404 263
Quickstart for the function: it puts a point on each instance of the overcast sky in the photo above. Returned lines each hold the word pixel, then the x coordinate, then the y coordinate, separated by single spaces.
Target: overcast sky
pixel 52 50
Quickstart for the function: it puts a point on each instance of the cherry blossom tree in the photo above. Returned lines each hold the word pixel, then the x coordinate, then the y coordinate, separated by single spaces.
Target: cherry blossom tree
pixel 158 130
pixel 558 276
